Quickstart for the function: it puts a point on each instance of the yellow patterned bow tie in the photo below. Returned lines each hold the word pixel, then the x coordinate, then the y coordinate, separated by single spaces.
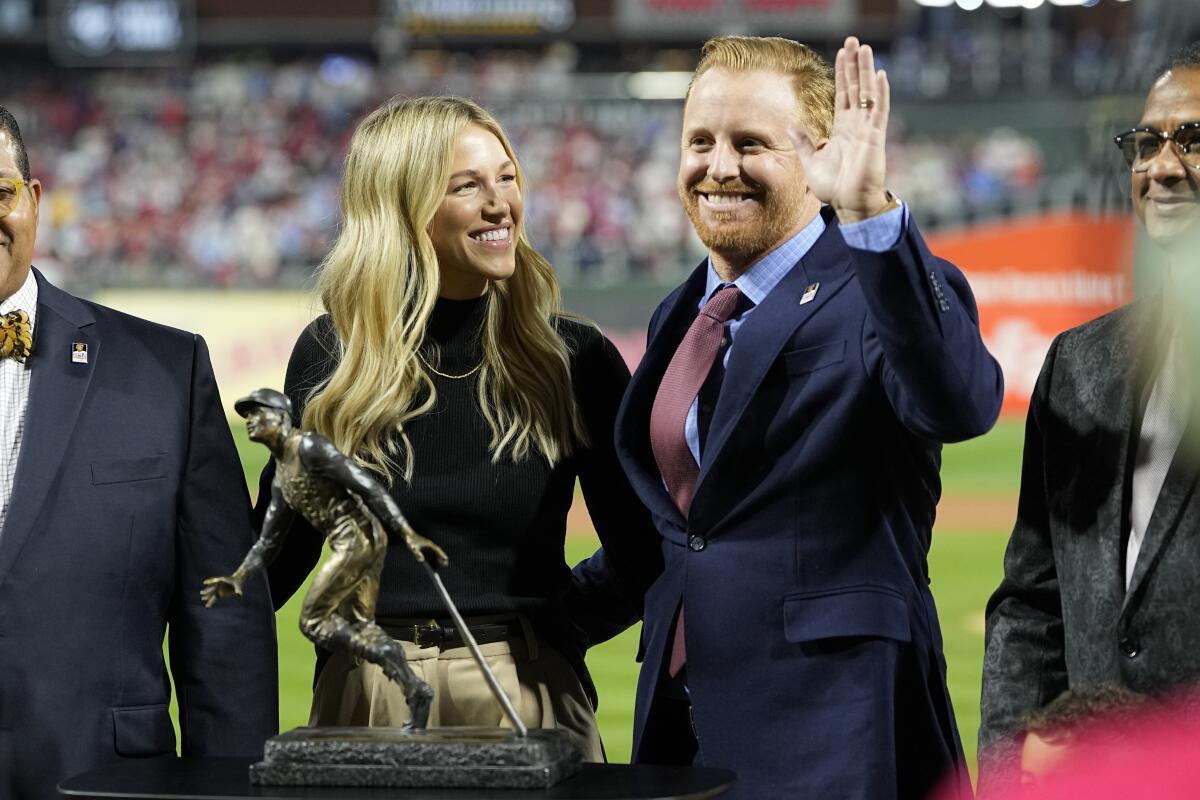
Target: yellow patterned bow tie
pixel 16 336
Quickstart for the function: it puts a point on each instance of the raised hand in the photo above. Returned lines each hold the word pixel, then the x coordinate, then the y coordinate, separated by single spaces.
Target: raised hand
pixel 218 588
pixel 848 171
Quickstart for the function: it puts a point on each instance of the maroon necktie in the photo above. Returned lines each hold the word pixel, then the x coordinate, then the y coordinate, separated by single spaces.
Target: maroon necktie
pixel 680 384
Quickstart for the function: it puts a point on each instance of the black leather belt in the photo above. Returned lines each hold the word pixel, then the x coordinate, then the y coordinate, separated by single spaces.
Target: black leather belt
pixel 445 637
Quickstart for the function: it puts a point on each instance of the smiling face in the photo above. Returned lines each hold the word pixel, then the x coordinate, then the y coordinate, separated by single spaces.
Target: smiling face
pixel 475 229
pixel 1166 197
pixel 740 179
pixel 18 230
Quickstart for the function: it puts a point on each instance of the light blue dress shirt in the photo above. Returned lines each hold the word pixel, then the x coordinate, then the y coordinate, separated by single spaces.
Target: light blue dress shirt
pixel 876 234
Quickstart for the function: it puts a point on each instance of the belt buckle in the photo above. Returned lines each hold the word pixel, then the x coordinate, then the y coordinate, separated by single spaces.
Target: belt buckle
pixel 429 634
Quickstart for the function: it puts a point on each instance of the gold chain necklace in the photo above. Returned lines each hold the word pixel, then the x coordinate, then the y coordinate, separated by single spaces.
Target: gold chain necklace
pixel 466 374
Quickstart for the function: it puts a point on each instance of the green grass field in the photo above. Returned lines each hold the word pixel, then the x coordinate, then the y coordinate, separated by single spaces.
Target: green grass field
pixel 965 566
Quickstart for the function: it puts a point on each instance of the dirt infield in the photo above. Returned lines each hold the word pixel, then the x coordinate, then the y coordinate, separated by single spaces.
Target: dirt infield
pixel 955 514
pixel 968 513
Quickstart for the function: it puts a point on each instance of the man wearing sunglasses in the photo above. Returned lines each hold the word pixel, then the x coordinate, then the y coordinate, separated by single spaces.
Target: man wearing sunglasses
pixel 1103 567
pixel 120 491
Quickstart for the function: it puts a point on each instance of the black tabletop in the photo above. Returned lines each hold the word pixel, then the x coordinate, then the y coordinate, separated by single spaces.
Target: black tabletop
pixel 224 778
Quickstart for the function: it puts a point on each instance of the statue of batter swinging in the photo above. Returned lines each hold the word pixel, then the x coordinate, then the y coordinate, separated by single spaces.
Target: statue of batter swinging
pixel 340 499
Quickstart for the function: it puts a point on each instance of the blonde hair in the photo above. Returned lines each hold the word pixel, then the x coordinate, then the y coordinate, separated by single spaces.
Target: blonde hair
pixel 380 281
pixel 812 77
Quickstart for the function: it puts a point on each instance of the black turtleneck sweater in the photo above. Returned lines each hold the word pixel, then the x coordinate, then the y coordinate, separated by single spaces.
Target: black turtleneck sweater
pixel 501 524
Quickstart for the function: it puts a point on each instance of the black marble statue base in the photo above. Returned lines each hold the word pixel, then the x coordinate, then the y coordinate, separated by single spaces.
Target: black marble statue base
pixel 466 758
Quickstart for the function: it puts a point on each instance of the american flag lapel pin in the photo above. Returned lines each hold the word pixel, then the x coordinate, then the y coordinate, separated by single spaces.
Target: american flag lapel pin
pixel 809 293
pixel 79 352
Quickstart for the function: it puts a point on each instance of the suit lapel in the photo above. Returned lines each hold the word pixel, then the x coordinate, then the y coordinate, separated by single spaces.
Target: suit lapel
pixel 1132 364
pixel 1173 502
pixel 57 387
pixel 1174 498
pixel 633 430
pixel 1119 402
pixel 764 333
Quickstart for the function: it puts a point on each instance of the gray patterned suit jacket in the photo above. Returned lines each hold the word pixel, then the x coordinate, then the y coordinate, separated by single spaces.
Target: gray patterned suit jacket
pixel 1061 618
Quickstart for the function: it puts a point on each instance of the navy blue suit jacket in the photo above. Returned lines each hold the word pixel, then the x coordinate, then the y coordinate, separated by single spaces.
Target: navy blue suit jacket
pixel 128 494
pixel 815 664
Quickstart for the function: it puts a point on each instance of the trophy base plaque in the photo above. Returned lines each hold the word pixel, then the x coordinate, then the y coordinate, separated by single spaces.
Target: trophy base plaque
pixel 447 758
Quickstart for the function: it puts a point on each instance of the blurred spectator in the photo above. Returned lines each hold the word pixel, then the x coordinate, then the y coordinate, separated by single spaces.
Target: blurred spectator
pixel 1074 723
pixel 1111 744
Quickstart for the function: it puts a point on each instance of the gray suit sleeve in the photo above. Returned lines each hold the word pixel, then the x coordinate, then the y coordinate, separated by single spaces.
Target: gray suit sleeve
pixel 1023 664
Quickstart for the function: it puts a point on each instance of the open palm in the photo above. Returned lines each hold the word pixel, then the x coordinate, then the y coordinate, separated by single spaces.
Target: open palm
pixel 849 170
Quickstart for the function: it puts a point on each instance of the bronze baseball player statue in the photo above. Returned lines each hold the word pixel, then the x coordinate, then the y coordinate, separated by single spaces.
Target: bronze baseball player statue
pixel 339 498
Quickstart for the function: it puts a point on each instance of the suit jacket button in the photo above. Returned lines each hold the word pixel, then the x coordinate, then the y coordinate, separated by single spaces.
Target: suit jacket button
pixel 1129 647
pixel 697 543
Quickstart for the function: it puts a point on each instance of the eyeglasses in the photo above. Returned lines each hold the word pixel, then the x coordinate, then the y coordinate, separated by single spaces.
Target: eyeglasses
pixel 11 190
pixel 1140 146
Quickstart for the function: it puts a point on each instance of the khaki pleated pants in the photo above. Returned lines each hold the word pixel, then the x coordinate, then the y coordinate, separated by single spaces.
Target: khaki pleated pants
pixel 542 685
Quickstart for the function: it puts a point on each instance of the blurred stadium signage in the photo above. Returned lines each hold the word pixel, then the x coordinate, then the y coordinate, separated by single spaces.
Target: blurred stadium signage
pixel 422 17
pixel 88 33
pixel 1036 277
pixel 973 5
pixel 692 18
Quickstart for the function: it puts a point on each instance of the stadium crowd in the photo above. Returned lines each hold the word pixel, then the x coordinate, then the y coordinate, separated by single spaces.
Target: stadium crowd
pixel 226 174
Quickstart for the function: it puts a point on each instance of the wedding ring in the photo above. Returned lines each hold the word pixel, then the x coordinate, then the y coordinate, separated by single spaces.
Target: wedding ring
pixel 866 102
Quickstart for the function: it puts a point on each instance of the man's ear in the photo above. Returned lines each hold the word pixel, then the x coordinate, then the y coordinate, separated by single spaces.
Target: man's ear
pixel 35 189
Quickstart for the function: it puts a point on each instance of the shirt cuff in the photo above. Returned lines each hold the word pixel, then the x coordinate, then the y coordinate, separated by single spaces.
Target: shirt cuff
pixel 878 233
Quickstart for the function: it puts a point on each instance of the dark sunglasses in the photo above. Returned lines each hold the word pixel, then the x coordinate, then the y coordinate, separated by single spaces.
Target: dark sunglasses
pixel 1140 146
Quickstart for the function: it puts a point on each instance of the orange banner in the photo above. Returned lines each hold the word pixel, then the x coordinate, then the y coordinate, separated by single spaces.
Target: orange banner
pixel 1036 277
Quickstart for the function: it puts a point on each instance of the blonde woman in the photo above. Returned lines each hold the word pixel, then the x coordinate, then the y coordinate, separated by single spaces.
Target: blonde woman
pixel 445 366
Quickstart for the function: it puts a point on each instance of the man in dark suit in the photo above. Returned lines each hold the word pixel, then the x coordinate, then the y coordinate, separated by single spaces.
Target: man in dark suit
pixel 1102 570
pixel 787 441
pixel 120 490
